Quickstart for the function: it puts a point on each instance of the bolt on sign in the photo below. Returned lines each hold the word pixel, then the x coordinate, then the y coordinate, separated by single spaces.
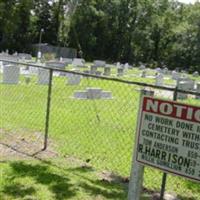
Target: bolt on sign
pixel 169 137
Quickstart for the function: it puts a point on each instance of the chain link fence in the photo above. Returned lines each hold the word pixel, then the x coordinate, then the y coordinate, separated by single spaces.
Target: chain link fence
pixel 89 119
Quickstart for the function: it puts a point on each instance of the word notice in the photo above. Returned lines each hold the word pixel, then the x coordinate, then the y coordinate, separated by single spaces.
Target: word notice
pixel 169 137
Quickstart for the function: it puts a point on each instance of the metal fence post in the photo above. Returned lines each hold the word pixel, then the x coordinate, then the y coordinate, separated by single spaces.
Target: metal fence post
pixel 48 109
pixel 164 177
pixel 137 170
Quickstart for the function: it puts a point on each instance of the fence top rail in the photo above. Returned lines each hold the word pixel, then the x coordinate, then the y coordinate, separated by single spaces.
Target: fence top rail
pixel 173 89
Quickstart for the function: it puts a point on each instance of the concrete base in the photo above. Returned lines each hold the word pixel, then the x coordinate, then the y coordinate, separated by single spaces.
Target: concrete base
pixel 93 93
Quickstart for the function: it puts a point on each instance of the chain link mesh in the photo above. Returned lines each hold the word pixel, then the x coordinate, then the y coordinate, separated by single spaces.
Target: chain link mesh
pixel 92 120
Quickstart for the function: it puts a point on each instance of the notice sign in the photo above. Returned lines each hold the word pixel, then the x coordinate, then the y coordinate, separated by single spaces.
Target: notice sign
pixel 169 137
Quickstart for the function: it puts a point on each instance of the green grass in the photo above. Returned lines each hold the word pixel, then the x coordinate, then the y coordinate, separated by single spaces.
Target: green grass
pixel 101 131
pixel 37 180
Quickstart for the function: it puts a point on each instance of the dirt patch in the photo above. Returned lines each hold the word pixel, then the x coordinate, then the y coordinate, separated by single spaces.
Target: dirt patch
pixel 23 144
pixel 112 178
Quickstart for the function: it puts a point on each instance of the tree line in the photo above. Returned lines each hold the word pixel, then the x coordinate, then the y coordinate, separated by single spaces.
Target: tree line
pixel 156 32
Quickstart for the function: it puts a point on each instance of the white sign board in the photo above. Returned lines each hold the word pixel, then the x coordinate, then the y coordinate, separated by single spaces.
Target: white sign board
pixel 169 137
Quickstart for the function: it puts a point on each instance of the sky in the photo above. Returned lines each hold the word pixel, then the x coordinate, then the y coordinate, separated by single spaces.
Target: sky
pixel 188 1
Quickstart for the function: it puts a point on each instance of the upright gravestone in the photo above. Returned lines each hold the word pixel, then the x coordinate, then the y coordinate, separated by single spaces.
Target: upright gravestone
pixel 99 63
pixel 159 80
pixel 11 74
pixel 175 75
pixel 73 79
pixel 159 70
pixel 126 66
pixel 78 62
pixel 93 69
pixel 24 56
pixel 185 85
pixel 198 90
pixel 107 71
pixel 43 76
pixel 165 71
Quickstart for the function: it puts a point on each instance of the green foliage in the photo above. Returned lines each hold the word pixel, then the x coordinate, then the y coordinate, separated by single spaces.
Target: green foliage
pixel 150 31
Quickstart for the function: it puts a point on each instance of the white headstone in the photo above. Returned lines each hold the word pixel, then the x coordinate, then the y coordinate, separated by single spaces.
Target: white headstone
pixel 99 63
pixel 175 75
pixel 39 55
pixel 11 74
pixel 78 62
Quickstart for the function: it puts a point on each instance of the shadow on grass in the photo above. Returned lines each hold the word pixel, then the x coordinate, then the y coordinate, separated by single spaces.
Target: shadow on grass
pixel 62 184
pixel 41 174
pixel 19 190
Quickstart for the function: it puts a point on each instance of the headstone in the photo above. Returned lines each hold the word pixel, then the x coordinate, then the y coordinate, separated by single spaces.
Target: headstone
pixel 80 94
pixel 93 93
pixel 198 90
pixel 195 74
pixel 39 55
pixel 159 70
pixel 73 79
pixel 165 71
pixel 24 56
pixel 78 62
pixel 189 83
pixel 93 69
pixel 43 76
pixel 54 64
pixel 159 80
pixel 107 71
pixel 175 75
pixel 185 85
pixel 120 71
pixel 126 66
pixel 106 95
pixel 11 74
pixel 118 65
pixel 67 61
pixel 99 63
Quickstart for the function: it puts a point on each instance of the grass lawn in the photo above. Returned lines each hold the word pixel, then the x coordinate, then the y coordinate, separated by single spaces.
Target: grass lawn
pixel 99 132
